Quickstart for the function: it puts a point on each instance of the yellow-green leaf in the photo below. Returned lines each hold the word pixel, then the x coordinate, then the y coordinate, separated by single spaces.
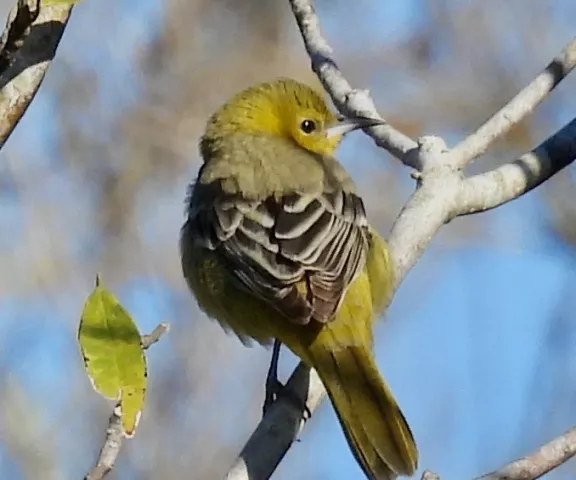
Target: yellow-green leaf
pixel 113 354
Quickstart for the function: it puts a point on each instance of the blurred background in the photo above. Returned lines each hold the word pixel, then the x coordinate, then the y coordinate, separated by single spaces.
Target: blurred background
pixel 479 345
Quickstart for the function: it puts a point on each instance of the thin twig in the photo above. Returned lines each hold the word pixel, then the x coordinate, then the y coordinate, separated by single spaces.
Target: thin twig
pixel 154 335
pixel 114 432
pixel 348 101
pixel 27 47
pixel 110 448
pixel 533 466
pixel 516 110
pixel 429 476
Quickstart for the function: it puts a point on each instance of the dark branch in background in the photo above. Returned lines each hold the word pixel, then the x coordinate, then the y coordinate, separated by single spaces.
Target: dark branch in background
pixel 442 193
pixel 27 47
pixel 115 433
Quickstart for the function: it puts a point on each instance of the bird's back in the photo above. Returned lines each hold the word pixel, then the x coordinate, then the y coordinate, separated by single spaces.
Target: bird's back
pixel 259 165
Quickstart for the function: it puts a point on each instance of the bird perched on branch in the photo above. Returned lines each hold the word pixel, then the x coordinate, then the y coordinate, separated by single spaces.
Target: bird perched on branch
pixel 277 246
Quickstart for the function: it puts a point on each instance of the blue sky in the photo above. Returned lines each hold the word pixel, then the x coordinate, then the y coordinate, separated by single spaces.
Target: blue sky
pixel 472 346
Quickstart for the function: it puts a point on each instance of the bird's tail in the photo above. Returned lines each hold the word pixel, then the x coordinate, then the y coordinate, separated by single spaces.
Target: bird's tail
pixel 375 428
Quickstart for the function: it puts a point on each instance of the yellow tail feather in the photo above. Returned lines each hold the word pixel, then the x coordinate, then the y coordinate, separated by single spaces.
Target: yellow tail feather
pixel 375 428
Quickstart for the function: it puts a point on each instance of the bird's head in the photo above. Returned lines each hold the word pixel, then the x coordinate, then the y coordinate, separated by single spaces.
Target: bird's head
pixel 288 109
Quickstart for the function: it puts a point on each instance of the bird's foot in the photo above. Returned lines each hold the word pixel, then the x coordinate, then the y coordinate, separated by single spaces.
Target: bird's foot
pixel 275 389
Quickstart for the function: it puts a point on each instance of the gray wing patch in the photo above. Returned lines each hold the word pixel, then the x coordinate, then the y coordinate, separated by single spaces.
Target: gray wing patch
pixel 273 245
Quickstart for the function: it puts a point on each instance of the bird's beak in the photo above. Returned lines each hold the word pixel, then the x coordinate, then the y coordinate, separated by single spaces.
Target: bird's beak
pixel 346 125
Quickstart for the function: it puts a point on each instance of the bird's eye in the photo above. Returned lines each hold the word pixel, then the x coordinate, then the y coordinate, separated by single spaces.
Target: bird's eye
pixel 308 126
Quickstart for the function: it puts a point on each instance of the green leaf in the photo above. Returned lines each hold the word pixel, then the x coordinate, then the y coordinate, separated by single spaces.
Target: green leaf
pixel 113 354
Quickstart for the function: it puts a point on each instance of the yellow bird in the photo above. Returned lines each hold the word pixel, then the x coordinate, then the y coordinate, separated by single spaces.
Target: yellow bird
pixel 277 246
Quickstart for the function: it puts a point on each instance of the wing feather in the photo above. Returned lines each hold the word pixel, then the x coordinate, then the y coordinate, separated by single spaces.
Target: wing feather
pixel 276 244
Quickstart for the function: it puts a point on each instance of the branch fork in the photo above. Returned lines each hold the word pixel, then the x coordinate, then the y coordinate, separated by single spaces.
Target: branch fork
pixel 443 192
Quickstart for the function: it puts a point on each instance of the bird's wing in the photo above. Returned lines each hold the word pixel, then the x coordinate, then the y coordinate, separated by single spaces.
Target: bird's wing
pixel 298 252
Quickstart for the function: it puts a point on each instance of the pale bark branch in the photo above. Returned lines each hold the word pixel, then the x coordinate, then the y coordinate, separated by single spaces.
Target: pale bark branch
pixel 283 423
pixel 114 432
pixel 27 47
pixel 516 110
pixel 429 208
pixel 110 448
pixel 442 193
pixel 540 462
pixel 534 465
pixel 350 102
pixel 429 476
pixel 154 335
pixel 507 182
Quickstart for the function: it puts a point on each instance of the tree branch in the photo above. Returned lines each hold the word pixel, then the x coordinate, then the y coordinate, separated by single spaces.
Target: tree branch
pixel 110 449
pixel 27 47
pixel 532 466
pixel 546 458
pixel 429 476
pixel 516 110
pixel 154 335
pixel 442 193
pixel 507 182
pixel 350 102
pixel 283 422
pixel 429 208
pixel 114 432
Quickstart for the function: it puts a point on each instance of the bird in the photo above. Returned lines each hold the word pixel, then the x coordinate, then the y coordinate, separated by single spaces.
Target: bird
pixel 276 246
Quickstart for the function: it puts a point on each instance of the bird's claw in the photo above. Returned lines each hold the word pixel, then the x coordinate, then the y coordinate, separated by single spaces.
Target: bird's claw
pixel 276 389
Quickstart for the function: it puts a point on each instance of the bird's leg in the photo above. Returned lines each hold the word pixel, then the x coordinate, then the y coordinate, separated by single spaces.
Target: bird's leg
pixel 273 385
pixel 275 388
